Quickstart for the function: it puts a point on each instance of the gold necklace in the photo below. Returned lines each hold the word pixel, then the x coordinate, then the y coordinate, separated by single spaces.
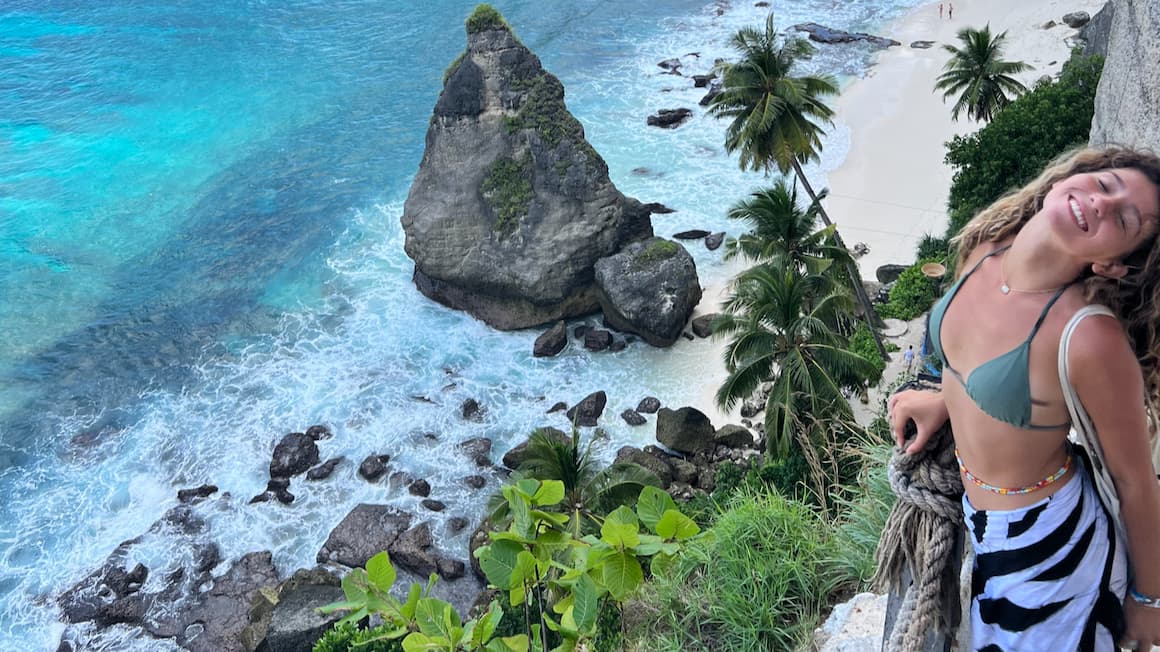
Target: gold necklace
pixel 1007 289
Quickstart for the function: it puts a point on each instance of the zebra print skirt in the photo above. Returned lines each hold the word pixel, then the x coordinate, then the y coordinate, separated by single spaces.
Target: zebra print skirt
pixel 1049 576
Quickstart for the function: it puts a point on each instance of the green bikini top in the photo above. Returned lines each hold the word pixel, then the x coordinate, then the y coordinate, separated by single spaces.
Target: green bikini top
pixel 1001 387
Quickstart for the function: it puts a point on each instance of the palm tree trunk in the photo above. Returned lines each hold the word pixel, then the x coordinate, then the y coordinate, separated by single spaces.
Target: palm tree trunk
pixel 868 312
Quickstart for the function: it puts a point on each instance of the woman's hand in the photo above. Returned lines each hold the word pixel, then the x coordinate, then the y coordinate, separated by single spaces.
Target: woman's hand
pixel 928 410
pixel 1143 626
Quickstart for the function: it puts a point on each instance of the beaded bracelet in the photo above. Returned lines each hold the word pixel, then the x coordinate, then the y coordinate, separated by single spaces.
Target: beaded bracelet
pixel 1144 600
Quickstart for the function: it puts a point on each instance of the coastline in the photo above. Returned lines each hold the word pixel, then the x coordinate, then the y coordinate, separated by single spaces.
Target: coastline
pixel 892 186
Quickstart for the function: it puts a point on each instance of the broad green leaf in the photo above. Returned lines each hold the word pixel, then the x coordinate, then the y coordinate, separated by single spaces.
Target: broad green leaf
pixel 522 518
pixel 413 595
pixel 675 525
pixel 355 616
pixel 622 574
pixel 518 643
pixel 509 536
pixel 553 518
pixel 621 528
pixel 661 564
pixel 550 492
pixel 567 645
pixel 499 562
pixel 527 488
pixel 419 642
pixel 354 585
pixel 584 604
pixel 653 503
pixel 429 616
pixel 487 624
pixel 650 544
pixel 380 572
pixel 551 543
pixel 345 605
pixel 550 622
pixel 524 572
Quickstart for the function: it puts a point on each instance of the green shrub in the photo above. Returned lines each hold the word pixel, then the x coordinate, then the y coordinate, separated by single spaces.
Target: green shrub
pixel 1021 139
pixel 932 248
pixel 485 17
pixel 507 188
pixel 912 294
pixel 862 343
pixel 754 582
pixel 348 637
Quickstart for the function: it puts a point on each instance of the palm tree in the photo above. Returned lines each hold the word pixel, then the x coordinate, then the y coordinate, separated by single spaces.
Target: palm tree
pixel 589 491
pixel 783 329
pixel 782 234
pixel 977 74
pixel 775 118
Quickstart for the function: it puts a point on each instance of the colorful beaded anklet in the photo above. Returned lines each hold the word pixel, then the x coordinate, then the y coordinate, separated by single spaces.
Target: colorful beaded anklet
pixel 1021 490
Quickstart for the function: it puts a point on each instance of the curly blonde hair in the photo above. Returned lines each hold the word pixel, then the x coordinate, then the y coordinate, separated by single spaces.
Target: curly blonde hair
pixel 1135 298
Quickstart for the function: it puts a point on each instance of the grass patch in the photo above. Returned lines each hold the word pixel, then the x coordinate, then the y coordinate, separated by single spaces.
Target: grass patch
pixel 754 582
pixel 656 251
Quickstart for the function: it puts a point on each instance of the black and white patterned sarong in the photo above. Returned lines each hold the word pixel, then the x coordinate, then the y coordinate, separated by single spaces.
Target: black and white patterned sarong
pixel 1050 576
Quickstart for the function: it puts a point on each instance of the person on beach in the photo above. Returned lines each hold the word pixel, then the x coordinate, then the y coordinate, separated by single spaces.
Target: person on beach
pixel 909 357
pixel 1050 571
pixel 940 11
pixel 950 11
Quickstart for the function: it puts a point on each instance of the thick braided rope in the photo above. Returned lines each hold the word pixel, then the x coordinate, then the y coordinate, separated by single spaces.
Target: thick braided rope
pixel 920 535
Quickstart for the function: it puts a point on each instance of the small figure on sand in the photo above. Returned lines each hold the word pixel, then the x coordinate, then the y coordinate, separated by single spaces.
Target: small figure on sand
pixel 940 11
pixel 950 11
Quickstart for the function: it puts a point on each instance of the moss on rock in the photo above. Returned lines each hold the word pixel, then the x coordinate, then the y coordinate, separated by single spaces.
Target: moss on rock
pixel 656 251
pixel 507 189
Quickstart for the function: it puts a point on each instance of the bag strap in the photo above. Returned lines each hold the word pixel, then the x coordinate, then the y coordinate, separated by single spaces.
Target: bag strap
pixel 1083 431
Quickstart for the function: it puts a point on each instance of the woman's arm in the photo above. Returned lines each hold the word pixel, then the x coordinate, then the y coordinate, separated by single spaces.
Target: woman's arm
pixel 927 409
pixel 1108 379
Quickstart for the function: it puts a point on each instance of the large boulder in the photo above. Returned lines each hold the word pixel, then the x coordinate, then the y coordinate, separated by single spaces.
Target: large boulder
pixel 296 453
pixel 587 412
pixel 1096 33
pixel 1128 99
pixel 1076 19
pixel 649 289
pixel 511 206
pixel 366 531
pixel 551 341
pixel 686 430
pixel 829 35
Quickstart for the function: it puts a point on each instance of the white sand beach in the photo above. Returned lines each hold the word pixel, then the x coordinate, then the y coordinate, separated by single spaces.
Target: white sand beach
pixel 892 187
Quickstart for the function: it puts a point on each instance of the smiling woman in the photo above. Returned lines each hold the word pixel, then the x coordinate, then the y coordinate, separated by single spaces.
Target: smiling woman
pixel 1051 571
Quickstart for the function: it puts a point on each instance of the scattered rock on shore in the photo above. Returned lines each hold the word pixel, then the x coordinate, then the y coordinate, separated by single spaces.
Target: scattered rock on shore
pixel 669 118
pixel 823 34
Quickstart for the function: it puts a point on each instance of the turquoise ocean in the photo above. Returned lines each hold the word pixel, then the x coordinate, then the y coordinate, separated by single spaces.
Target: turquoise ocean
pixel 200 251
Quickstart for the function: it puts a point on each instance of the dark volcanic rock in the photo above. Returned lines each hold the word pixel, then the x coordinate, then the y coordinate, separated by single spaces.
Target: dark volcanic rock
pixel 293 455
pixel 471 410
pixel 713 241
pixel 474 447
pixel 323 471
pixel 420 488
pixel 691 234
pixel 686 430
pixel 475 481
pixel 511 206
pixel 434 505
pixel 295 622
pixel 659 465
pixel 823 34
pixel 733 436
pixel 715 89
pixel 921 45
pixel 597 339
pixel 1076 19
pixel 551 341
pixel 889 273
pixel 557 406
pixel 703 325
pixel 669 118
pixel 649 289
pixel 587 412
pixel 633 418
pixel 318 432
pixel 373 467
pixel 366 531
pixel 191 495
pixel 702 81
pixel 649 405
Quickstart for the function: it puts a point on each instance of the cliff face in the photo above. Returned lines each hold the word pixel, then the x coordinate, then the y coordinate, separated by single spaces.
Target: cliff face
pixel 511 207
pixel 1128 98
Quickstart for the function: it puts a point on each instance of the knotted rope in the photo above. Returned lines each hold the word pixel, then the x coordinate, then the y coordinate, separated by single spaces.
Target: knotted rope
pixel 920 536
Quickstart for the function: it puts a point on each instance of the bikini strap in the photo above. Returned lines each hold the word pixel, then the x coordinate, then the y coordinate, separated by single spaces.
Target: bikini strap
pixel 996 251
pixel 1047 309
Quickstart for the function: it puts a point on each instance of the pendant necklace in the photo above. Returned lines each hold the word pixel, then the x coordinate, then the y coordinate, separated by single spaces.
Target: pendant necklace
pixel 1007 289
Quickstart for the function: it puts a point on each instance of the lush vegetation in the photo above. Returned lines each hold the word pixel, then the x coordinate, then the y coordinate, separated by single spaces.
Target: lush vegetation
pixel 978 75
pixel 862 343
pixel 775 118
pixel 507 188
pixel 1022 139
pixel 485 17
pixel 913 293
pixel 656 251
